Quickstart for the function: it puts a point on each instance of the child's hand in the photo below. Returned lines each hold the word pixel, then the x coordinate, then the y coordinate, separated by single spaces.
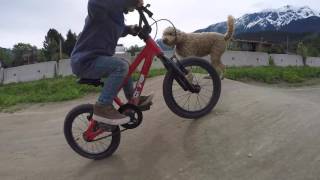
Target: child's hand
pixel 140 3
pixel 134 30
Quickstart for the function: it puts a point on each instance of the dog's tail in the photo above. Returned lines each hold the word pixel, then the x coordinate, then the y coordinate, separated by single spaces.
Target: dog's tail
pixel 230 31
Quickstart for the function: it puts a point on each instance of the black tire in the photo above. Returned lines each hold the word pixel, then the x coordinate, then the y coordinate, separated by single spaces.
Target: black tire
pixel 213 100
pixel 88 109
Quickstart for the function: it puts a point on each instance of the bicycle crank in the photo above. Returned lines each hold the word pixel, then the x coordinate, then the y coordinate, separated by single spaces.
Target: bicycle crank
pixel 134 113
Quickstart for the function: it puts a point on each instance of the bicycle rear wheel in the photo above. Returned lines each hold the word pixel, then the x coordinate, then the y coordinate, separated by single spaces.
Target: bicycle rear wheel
pixel 193 105
pixel 86 137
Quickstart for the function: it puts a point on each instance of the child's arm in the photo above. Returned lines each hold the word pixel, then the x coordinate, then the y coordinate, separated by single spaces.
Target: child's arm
pixel 124 4
pixel 100 8
pixel 132 30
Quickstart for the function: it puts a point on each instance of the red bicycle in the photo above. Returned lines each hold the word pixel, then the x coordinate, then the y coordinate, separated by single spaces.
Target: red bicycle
pixel 187 91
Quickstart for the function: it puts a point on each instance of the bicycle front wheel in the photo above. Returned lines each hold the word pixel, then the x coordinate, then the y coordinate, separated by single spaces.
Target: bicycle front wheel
pixel 193 105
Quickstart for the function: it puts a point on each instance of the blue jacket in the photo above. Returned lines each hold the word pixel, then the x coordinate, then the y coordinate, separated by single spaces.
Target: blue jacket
pixel 104 26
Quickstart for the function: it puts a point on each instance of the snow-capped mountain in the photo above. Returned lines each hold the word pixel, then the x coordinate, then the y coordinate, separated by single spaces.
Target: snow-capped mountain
pixel 287 18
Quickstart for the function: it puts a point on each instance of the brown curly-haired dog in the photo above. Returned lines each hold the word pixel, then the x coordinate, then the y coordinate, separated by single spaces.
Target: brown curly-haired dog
pixel 200 44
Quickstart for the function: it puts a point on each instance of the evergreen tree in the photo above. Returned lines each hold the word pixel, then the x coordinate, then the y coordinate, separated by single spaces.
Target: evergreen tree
pixel 302 50
pixel 134 49
pixel 21 50
pixel 70 43
pixel 51 45
pixel 5 57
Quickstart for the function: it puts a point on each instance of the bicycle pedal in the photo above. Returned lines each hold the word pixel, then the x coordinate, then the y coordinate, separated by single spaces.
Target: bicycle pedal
pixel 146 108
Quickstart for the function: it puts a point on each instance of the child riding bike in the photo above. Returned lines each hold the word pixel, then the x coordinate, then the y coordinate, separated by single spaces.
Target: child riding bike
pixel 88 128
pixel 92 57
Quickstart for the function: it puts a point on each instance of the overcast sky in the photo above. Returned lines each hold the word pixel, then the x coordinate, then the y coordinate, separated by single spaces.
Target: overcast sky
pixel 28 21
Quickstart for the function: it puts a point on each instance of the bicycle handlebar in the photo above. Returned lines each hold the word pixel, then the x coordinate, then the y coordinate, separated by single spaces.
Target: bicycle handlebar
pixel 146 28
pixel 146 10
pixel 142 10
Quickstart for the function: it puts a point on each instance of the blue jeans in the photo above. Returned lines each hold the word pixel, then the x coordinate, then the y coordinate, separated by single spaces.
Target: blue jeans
pixel 115 70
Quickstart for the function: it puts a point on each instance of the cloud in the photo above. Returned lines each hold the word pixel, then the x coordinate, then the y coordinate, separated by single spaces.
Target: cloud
pixel 29 20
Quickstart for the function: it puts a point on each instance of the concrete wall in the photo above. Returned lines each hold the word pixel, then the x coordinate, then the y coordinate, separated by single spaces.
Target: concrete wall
pixel 287 60
pixel 1 75
pixel 239 58
pixel 230 58
pixel 29 72
pixel 245 58
pixel 64 67
pixel 313 61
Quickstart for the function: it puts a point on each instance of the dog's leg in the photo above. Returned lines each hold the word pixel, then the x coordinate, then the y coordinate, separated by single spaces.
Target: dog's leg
pixel 216 55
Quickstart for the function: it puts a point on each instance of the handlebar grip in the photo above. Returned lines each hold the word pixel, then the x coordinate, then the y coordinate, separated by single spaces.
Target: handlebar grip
pixel 150 14
pixel 145 9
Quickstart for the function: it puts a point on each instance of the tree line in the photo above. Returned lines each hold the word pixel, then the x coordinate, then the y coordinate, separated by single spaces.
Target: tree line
pixel 306 44
pixel 25 53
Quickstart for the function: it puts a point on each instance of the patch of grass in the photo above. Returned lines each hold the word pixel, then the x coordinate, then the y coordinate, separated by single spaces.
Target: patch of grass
pixel 66 88
pixel 273 75
pixel 46 90
pixel 49 90
pixel 152 73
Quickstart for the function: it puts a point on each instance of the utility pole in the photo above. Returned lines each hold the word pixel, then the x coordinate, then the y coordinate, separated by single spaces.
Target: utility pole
pixel 287 44
pixel 60 47
pixel 261 43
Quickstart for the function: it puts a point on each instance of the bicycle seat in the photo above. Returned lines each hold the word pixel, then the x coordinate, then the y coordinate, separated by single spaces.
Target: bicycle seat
pixel 93 82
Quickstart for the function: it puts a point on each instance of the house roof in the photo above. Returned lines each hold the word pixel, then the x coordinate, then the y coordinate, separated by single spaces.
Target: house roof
pixel 252 42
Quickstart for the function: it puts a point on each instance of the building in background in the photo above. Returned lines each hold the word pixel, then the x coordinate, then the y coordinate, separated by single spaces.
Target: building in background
pixel 120 49
pixel 249 45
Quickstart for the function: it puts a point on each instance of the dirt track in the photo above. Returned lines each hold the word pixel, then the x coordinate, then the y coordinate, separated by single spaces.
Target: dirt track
pixel 254 133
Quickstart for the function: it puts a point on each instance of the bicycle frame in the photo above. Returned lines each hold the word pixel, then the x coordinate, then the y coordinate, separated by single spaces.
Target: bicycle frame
pixel 148 53
pixel 175 68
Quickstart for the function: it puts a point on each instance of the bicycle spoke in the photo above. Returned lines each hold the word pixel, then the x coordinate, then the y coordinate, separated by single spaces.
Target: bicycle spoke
pixel 194 102
pixel 102 145
pixel 81 130
pixel 101 142
pixel 186 101
pixel 84 119
pixel 77 138
pixel 93 145
pixel 206 89
pixel 98 147
pixel 204 96
pixel 203 99
pixel 195 76
pixel 79 126
pixel 199 102
pixel 183 95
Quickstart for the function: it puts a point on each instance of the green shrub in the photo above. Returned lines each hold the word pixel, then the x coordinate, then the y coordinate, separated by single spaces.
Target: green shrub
pixel 272 74
pixel 271 61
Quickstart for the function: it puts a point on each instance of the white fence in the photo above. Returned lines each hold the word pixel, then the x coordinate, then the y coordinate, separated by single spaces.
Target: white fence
pixel 230 58
pixel 313 61
pixel 286 60
pixel 29 72
pixel 1 74
pixel 244 58
pixel 64 67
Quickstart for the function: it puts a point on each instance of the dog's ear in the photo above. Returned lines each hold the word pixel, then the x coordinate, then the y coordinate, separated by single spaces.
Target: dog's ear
pixel 177 32
pixel 167 31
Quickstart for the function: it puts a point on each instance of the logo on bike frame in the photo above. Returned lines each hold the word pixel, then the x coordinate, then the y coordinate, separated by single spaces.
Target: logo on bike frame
pixel 139 86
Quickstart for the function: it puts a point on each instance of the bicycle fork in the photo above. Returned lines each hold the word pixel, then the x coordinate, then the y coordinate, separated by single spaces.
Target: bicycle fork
pixel 179 73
